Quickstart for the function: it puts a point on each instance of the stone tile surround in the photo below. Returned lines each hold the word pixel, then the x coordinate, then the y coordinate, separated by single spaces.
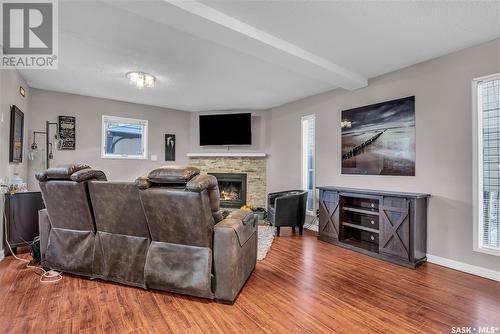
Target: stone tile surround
pixel 254 167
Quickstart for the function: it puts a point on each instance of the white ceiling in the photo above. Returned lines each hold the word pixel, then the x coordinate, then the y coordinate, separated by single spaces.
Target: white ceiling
pixel 219 55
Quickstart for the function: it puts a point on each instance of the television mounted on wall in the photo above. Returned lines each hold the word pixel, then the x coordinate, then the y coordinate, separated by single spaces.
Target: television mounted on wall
pixel 226 129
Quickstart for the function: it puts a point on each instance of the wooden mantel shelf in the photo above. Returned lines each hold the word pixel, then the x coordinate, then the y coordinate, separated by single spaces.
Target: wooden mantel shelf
pixel 227 154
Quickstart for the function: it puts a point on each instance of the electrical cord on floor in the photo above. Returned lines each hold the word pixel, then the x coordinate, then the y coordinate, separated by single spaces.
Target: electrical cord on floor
pixel 46 276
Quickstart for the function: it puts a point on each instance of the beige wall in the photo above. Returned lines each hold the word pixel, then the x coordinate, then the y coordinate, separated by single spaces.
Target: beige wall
pixel 47 105
pixel 10 80
pixel 442 88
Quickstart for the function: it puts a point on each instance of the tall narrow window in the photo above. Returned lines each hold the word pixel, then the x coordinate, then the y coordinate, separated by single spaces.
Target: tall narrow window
pixel 308 160
pixel 487 185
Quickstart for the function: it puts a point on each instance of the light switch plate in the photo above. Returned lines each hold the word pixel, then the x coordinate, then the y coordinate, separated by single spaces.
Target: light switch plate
pixel 154 157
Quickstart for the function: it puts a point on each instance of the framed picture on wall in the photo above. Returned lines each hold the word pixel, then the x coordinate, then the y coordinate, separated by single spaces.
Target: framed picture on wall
pixel 16 135
pixel 169 147
pixel 379 139
pixel 67 132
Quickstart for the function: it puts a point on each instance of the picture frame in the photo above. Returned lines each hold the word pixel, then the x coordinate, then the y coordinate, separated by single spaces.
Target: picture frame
pixel 379 139
pixel 169 147
pixel 67 132
pixel 16 135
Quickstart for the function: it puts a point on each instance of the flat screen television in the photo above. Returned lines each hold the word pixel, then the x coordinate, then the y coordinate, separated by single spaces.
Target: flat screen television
pixel 226 129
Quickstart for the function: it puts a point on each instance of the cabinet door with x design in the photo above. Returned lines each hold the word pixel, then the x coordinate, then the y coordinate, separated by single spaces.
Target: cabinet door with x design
pixel 329 214
pixel 395 227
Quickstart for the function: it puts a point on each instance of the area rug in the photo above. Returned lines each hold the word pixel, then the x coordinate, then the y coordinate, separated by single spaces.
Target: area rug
pixel 265 240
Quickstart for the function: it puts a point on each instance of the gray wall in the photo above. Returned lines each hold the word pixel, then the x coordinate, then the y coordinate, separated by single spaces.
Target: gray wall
pixel 442 88
pixel 10 80
pixel 47 105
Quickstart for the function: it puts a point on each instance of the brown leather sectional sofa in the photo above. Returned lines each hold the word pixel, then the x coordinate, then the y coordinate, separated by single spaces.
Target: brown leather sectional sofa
pixel 163 232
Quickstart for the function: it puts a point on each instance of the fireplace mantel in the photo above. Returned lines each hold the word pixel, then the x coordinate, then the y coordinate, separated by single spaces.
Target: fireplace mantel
pixel 227 154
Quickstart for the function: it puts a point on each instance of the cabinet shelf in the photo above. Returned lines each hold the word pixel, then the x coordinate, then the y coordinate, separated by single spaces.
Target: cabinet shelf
pixel 359 227
pixel 361 210
pixel 369 246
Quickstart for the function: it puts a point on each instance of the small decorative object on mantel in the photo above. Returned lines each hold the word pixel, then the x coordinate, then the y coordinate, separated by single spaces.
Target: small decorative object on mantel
pixel 169 147
pixel 379 139
pixel 67 129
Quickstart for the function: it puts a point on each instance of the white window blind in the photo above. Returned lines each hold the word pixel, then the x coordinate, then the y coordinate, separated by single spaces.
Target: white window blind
pixel 488 100
pixel 308 160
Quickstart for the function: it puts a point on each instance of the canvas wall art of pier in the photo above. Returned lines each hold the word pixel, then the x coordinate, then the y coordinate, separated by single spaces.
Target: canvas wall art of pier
pixel 379 139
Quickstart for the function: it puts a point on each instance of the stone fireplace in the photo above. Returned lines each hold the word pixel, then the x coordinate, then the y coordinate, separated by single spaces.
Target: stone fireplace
pixel 253 167
pixel 232 188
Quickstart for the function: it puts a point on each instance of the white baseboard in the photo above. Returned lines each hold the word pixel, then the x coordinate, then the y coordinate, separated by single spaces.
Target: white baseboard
pixel 465 267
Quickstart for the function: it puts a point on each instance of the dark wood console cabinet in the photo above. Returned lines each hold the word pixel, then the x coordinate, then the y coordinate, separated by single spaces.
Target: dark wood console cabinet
pixel 21 212
pixel 388 225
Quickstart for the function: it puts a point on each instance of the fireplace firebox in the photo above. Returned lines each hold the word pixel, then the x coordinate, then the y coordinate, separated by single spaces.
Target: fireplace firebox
pixel 232 189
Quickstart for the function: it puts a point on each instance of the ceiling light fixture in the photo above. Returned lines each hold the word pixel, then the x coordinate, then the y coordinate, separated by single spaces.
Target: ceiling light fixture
pixel 141 79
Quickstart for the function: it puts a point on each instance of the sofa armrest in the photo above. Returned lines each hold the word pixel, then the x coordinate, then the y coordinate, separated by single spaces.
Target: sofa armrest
pixel 245 216
pixel 271 197
pixel 235 255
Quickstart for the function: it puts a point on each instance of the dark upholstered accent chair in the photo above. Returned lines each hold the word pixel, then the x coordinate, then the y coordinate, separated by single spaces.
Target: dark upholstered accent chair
pixel 287 208
pixel 163 232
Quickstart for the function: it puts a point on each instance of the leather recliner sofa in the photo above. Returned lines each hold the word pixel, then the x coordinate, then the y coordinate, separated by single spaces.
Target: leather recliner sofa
pixel 163 232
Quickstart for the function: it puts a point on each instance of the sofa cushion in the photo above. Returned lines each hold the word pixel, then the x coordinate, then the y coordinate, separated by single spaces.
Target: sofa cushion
pixel 143 182
pixel 209 182
pixel 63 172
pixel 88 174
pixel 173 174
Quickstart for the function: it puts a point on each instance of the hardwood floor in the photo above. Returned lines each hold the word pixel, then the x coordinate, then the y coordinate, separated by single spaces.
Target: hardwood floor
pixel 304 285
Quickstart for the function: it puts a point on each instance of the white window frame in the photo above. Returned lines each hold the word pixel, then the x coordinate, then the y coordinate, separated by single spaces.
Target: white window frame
pixel 304 161
pixel 142 122
pixel 477 167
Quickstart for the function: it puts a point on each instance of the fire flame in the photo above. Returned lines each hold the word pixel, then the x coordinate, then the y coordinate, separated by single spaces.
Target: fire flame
pixel 229 195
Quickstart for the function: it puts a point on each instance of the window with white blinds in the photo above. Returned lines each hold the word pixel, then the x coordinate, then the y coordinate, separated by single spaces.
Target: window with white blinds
pixel 308 160
pixel 488 113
